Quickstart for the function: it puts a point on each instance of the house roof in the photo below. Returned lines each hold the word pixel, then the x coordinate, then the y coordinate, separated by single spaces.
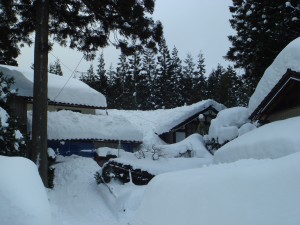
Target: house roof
pixel 164 120
pixel 61 89
pixel 68 125
pixel 288 58
pixel 282 96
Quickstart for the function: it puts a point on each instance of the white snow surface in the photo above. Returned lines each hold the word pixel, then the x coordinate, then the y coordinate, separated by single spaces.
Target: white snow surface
pixel 288 58
pixel 271 141
pixel 193 143
pixel 61 89
pixel 225 127
pixel 23 198
pixel 156 122
pixel 104 151
pixel 68 125
pixel 163 164
pixel 4 117
pixel 248 192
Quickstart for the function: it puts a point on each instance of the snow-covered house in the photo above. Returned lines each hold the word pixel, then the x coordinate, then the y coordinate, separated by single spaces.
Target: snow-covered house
pixel 172 125
pixel 181 122
pixel 76 133
pixel 277 94
pixel 63 93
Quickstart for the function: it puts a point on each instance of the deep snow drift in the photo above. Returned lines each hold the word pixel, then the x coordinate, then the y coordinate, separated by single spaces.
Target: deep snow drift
pixel 271 141
pixel 249 192
pixel 23 198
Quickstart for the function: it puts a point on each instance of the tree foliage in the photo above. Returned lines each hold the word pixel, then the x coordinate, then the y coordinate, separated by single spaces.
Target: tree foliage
pixel 263 29
pixel 84 25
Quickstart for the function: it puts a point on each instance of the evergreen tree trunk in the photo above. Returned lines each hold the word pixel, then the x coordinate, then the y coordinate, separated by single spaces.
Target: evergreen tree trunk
pixel 39 119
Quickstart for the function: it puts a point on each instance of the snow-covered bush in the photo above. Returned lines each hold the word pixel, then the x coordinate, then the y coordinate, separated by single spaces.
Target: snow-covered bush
pixel 228 125
pixel 12 142
pixel 192 146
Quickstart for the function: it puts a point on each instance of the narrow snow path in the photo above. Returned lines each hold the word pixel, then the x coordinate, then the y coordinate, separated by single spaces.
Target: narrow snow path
pixel 76 198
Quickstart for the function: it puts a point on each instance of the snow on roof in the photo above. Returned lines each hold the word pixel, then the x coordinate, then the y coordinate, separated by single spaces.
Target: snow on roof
pixel 163 120
pixel 68 125
pixel 288 58
pixel 61 89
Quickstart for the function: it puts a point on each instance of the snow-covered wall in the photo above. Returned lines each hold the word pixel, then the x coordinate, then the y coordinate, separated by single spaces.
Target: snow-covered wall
pixel 288 58
pixel 61 89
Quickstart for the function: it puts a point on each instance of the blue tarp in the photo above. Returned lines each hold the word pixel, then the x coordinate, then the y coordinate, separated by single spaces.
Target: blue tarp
pixel 67 148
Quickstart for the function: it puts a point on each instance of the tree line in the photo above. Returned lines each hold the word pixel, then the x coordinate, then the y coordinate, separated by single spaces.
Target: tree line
pixel 148 80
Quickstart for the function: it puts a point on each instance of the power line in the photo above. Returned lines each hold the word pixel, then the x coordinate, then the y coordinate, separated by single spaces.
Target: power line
pixel 68 79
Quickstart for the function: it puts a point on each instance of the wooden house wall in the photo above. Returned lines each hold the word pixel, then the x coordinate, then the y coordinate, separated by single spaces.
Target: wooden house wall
pixel 284 114
pixel 18 106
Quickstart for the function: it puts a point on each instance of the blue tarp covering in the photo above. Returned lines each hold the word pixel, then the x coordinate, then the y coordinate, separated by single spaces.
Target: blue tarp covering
pixel 67 148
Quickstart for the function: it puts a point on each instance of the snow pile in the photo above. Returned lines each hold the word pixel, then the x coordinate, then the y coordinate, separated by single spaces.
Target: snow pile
pixel 23 198
pixel 156 122
pixel 249 192
pixel 194 143
pixel 272 140
pixel 225 127
pixel 68 125
pixel 288 58
pixel 61 89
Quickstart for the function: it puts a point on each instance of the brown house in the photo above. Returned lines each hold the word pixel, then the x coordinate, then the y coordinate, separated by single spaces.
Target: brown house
pixel 197 123
pixel 282 102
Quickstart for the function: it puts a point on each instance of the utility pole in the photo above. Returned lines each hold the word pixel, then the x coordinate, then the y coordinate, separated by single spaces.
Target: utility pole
pixel 38 153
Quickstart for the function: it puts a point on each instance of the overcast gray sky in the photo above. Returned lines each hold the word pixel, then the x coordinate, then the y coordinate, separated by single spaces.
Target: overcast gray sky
pixel 191 25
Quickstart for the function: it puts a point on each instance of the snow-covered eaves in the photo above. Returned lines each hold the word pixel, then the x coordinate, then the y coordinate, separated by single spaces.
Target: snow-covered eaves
pixel 61 89
pixel 288 58
pixel 164 120
pixel 290 82
pixel 68 125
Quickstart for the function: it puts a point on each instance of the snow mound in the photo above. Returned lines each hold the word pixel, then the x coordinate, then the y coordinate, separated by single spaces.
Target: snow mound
pixel 23 198
pixel 288 58
pixel 249 192
pixel 225 127
pixel 272 140
pixel 193 143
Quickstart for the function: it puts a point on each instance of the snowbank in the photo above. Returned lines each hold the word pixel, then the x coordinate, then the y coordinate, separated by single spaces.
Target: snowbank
pixel 60 88
pixel 288 58
pixel 249 192
pixel 225 127
pixel 193 143
pixel 272 140
pixel 23 198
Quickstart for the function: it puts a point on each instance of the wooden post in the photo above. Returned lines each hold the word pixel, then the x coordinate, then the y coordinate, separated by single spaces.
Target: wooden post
pixel 40 95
